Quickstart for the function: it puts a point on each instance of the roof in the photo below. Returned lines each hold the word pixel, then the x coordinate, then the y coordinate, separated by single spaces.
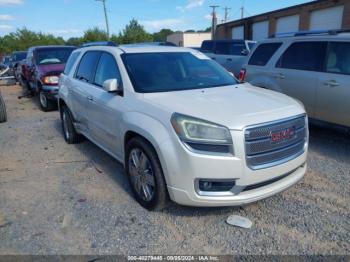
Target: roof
pixel 342 36
pixel 51 46
pixel 129 49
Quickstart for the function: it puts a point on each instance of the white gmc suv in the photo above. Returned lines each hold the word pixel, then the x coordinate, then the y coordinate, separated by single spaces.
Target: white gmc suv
pixel 182 126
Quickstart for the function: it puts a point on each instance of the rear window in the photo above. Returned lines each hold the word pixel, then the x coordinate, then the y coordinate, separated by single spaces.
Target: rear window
pixel 71 61
pixel 308 56
pixel 263 54
pixel 207 46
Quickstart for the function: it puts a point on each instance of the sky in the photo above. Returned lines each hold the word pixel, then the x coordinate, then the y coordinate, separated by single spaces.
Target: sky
pixel 70 18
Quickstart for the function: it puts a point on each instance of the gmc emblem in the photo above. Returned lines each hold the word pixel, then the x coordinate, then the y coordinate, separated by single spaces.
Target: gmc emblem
pixel 282 135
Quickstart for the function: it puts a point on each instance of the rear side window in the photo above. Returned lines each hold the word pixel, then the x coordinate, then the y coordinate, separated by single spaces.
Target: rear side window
pixel 207 46
pixel 263 54
pixel 107 68
pixel 308 56
pixel 87 66
pixel 71 61
pixel 338 58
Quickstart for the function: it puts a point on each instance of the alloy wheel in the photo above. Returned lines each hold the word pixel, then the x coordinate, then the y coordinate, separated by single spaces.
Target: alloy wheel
pixel 141 173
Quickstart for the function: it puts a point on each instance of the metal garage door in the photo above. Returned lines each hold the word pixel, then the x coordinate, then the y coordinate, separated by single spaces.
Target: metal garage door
pixel 238 32
pixel 260 30
pixel 288 24
pixel 330 18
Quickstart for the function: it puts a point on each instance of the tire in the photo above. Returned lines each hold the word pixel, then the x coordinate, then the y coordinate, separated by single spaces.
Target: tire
pixel 46 104
pixel 69 133
pixel 146 178
pixel 3 114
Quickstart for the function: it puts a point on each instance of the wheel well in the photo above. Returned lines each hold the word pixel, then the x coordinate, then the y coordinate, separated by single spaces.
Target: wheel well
pixel 130 135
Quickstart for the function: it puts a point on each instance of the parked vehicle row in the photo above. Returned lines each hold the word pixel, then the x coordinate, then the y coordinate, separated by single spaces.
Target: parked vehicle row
pixel 183 127
pixel 311 67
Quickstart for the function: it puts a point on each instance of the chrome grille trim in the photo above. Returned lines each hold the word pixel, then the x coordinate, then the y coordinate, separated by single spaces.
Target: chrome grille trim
pixel 262 153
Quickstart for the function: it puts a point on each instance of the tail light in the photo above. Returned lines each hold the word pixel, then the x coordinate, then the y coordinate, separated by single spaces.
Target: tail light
pixel 242 74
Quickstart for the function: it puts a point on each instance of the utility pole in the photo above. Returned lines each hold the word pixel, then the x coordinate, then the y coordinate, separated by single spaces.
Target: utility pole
pixel 226 13
pixel 214 21
pixel 106 17
pixel 242 12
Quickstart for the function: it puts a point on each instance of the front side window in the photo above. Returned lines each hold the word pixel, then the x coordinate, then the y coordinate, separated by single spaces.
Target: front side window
pixel 53 56
pixel 174 71
pixel 338 58
pixel 107 68
pixel 263 54
pixel 71 61
pixel 87 66
pixel 308 56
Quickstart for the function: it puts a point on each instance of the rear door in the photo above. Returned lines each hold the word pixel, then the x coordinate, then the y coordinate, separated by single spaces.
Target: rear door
pixel 298 69
pixel 103 108
pixel 333 96
pixel 81 83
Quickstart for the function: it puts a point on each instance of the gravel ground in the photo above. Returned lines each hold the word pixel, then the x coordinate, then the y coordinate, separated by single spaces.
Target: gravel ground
pixel 75 199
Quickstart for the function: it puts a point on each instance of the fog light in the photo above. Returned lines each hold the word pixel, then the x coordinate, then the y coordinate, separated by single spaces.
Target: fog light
pixel 216 186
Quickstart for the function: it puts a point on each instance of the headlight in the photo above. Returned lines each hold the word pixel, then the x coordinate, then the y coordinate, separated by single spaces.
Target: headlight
pixel 51 80
pixel 202 135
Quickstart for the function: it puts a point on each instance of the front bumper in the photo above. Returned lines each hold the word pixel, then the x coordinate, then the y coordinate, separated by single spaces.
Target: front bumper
pixel 182 168
pixel 51 92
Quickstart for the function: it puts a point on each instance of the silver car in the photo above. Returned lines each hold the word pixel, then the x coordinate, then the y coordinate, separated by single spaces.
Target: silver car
pixel 312 67
pixel 181 125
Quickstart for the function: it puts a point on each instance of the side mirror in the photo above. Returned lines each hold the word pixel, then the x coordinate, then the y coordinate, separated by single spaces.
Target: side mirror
pixel 245 52
pixel 111 85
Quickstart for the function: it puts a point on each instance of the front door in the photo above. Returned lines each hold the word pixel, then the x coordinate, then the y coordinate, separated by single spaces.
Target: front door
pixel 297 72
pixel 333 96
pixel 104 108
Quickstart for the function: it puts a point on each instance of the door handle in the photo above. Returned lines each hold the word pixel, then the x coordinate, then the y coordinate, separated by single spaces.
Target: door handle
pixel 331 83
pixel 89 98
pixel 229 59
pixel 280 76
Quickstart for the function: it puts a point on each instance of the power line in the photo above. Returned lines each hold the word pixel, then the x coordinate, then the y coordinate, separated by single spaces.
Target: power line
pixel 105 12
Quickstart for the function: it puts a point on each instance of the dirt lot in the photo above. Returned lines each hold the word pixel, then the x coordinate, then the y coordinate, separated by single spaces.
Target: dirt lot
pixel 74 199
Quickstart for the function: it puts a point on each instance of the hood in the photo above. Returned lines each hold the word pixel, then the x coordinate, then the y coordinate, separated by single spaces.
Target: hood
pixel 53 69
pixel 235 106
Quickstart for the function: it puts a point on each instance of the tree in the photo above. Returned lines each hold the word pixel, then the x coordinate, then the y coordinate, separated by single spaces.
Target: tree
pixel 134 33
pixel 23 38
pixel 162 35
pixel 95 34
pixel 75 41
pixel 190 31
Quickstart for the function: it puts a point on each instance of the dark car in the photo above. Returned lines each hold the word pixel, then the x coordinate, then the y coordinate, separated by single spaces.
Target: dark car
pixel 15 62
pixel 41 71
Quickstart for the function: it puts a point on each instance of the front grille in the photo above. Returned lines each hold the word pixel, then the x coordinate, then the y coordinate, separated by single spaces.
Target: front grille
pixel 262 152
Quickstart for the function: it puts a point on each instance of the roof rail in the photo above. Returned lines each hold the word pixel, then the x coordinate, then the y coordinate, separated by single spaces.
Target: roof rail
pixel 313 32
pixel 102 43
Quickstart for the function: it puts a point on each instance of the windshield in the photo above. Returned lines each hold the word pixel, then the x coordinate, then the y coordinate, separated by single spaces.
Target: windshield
pixel 165 72
pixel 53 56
